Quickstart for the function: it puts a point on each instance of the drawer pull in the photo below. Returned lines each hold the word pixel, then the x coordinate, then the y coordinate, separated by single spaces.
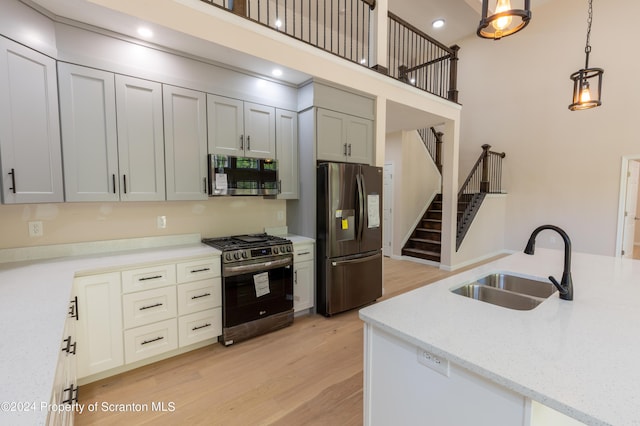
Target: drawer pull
pixel 200 270
pixel 150 306
pixel 303 253
pixel 146 342
pixel 69 348
pixel 155 277
pixel 201 326
pixel 202 295
pixel 73 395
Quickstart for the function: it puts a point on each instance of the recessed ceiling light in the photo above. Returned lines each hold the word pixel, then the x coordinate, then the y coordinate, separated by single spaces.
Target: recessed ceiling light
pixel 438 23
pixel 276 72
pixel 145 32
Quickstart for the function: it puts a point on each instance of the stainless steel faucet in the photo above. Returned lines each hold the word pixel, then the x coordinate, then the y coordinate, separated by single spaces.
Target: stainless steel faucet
pixel 565 286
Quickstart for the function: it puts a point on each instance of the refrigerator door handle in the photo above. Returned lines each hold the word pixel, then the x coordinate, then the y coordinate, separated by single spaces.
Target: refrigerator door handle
pixel 357 260
pixel 360 185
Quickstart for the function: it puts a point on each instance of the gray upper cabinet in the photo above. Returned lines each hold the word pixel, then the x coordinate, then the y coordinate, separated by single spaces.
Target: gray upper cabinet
pixel 185 130
pixel 31 162
pixel 287 153
pixel 112 136
pixel 140 139
pixel 343 137
pixel 89 136
pixel 241 129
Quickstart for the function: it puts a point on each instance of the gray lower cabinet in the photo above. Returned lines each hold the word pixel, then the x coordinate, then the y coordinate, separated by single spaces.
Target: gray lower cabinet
pixel 112 136
pixel 185 144
pixel 31 162
pixel 287 153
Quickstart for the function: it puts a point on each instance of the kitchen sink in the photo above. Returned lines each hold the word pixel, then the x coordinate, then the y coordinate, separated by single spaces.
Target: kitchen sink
pixel 508 291
pixel 518 284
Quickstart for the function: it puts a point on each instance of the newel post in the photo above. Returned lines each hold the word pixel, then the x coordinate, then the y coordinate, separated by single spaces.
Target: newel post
pixel 439 151
pixel 453 74
pixel 484 183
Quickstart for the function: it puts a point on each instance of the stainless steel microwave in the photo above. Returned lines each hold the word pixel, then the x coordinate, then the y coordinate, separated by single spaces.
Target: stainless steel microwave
pixel 242 176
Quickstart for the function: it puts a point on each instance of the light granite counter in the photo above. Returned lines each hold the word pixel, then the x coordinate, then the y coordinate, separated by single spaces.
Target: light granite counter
pixel 580 357
pixel 34 304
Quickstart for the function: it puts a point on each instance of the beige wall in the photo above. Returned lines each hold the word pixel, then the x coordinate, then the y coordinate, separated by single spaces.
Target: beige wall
pixel 562 167
pixel 80 222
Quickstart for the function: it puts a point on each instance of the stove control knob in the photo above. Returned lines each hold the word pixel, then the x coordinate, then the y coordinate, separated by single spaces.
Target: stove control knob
pixel 245 255
pixel 289 249
pixel 236 255
pixel 275 250
pixel 228 256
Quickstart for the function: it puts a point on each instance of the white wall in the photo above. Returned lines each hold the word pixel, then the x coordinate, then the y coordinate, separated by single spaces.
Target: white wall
pixel 415 183
pixel 562 167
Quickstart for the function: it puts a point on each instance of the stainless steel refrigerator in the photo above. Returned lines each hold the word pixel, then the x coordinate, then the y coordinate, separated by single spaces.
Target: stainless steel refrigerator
pixel 349 236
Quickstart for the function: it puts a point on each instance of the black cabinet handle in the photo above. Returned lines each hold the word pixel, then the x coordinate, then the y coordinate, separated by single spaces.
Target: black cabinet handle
pixel 13 181
pixel 303 253
pixel 202 295
pixel 73 309
pixel 345 150
pixel 201 326
pixel 69 348
pixel 73 395
pixel 155 277
pixel 295 277
pixel 150 306
pixel 241 141
pixel 193 271
pixel 349 150
pixel 248 143
pixel 204 185
pixel 113 181
pixel 146 342
pixel 124 179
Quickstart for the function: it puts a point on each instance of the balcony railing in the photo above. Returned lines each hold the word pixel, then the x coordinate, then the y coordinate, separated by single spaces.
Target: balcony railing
pixel 337 26
pixel 342 27
pixel 420 60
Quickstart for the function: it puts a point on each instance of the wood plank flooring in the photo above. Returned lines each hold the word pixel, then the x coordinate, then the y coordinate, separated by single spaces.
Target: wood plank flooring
pixel 309 373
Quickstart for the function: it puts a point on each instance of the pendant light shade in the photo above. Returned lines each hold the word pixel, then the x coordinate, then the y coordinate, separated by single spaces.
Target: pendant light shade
pixel 587 82
pixel 505 20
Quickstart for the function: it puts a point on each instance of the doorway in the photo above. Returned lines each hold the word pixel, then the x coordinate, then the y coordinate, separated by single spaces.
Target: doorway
pixel 628 238
pixel 387 210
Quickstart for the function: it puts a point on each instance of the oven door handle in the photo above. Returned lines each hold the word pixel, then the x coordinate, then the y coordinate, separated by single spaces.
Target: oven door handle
pixel 255 267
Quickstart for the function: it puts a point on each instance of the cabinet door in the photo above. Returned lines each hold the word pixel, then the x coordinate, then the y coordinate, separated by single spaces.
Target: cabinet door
pixel 225 119
pixel 331 135
pixel 99 326
pixel 287 153
pixel 185 130
pixel 359 140
pixel 140 139
pixel 29 126
pixel 302 286
pixel 259 131
pixel 89 136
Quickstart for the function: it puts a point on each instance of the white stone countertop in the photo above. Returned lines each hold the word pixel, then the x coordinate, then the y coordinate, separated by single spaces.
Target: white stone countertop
pixel 580 357
pixel 34 304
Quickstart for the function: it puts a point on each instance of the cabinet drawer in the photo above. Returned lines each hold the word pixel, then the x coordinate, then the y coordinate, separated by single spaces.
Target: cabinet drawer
pixel 198 269
pixel 200 326
pixel 149 340
pixel 147 278
pixel 200 295
pixel 302 252
pixel 149 306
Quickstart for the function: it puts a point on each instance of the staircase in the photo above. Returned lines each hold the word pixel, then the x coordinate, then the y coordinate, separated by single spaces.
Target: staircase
pixel 424 242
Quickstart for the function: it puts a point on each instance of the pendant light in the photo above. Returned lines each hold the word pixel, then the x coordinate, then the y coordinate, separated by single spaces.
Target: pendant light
pixel 587 83
pixel 505 20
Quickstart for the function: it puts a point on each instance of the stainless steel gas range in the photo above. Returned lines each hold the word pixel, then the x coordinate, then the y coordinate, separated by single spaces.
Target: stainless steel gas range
pixel 257 285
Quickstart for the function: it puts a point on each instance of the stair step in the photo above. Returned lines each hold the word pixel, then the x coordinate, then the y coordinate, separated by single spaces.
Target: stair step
pixel 422 254
pixel 424 240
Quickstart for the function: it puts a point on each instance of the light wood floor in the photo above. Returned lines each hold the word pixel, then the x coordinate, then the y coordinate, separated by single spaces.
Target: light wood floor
pixel 307 374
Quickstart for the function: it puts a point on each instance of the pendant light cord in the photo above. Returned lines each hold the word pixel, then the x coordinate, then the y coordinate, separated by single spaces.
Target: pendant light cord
pixel 587 47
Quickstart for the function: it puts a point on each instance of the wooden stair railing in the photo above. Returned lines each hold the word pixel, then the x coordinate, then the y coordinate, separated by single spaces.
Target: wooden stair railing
pixel 432 139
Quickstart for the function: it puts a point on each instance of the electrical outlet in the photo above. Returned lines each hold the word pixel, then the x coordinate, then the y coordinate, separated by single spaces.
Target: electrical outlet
pixel 280 215
pixel 35 229
pixel 162 222
pixel 436 363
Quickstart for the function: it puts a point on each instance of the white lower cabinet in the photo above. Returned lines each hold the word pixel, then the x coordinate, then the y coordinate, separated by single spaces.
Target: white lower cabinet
pixel 142 312
pixel 99 325
pixel 149 340
pixel 303 276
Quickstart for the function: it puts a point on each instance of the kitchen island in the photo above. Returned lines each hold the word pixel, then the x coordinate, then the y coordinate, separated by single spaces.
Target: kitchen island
pixel 431 355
